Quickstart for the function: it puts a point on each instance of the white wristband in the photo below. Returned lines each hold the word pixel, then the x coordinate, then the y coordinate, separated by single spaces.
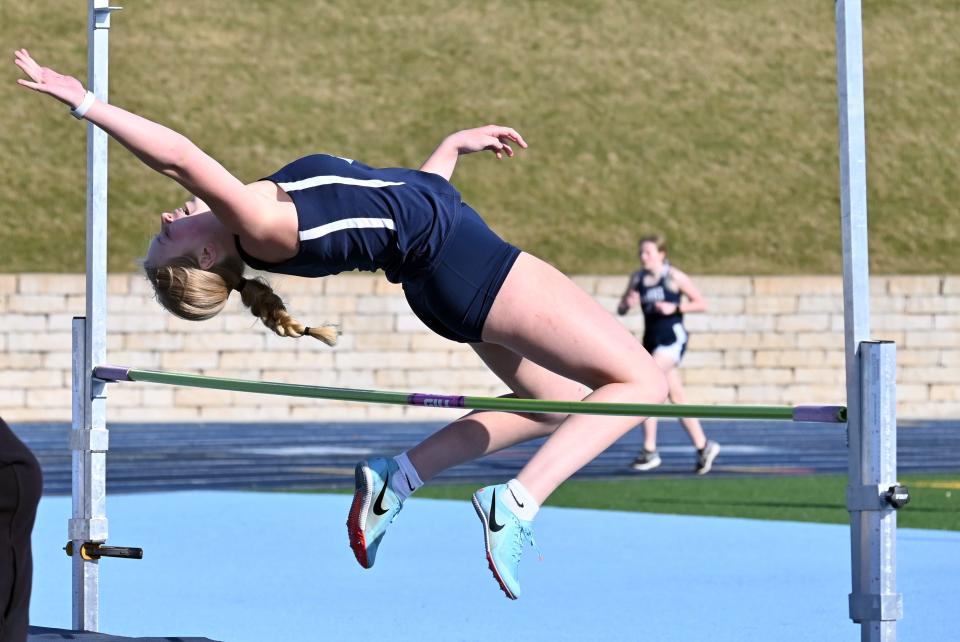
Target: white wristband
pixel 81 110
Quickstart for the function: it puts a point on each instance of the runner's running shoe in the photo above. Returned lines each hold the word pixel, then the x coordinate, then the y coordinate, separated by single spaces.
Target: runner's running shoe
pixel 706 456
pixel 374 507
pixel 646 460
pixel 504 536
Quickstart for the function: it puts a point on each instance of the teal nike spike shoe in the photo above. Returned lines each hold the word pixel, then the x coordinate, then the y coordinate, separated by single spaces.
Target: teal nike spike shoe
pixel 504 536
pixel 374 507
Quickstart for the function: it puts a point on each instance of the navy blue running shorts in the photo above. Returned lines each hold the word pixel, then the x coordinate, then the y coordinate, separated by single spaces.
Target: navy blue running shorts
pixel 455 297
pixel 667 339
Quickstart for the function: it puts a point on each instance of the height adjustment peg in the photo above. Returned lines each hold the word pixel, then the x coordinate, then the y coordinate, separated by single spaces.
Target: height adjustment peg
pixel 96 550
pixel 897 496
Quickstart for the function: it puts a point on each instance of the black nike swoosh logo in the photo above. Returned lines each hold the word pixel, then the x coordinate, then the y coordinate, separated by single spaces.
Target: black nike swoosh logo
pixel 378 508
pixel 409 485
pixel 494 526
pixel 519 503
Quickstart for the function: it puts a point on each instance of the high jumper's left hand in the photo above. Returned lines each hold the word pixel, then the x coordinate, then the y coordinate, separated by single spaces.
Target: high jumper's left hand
pixel 496 138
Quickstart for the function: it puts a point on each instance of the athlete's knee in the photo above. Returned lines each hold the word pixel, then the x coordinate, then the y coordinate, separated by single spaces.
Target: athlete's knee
pixel 655 387
pixel 547 422
pixel 544 423
pixel 650 389
pixel 649 382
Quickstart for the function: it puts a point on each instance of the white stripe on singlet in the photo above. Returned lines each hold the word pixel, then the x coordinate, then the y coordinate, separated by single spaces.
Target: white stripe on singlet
pixel 346 224
pixel 317 181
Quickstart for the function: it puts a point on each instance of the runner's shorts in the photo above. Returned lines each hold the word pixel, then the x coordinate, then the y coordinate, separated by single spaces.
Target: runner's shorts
pixel 670 341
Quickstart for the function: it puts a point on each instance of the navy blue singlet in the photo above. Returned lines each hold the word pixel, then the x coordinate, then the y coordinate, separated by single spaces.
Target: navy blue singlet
pixel 412 225
pixel 659 329
pixel 354 217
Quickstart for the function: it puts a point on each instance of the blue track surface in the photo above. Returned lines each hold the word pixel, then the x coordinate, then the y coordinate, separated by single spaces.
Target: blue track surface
pixel 276 567
pixel 163 457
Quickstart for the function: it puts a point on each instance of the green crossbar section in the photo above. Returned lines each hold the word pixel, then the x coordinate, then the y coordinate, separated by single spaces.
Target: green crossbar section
pixel 779 413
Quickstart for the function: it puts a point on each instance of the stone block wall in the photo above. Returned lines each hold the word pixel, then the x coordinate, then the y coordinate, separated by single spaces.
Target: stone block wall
pixel 764 340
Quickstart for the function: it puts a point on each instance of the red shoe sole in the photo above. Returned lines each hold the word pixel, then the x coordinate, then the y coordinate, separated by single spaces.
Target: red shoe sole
pixel 357 541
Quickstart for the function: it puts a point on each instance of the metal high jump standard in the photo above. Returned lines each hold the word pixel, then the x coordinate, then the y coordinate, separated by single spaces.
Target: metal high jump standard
pixel 873 493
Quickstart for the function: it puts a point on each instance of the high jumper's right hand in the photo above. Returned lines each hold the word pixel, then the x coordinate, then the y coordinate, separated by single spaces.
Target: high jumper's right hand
pixel 66 89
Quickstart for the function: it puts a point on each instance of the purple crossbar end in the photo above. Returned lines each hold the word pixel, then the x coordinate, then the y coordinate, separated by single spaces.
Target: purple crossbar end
pixel 112 373
pixel 436 401
pixel 821 414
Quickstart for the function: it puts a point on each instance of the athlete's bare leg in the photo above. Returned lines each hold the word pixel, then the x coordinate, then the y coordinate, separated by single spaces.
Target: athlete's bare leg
pixel 543 316
pixel 483 432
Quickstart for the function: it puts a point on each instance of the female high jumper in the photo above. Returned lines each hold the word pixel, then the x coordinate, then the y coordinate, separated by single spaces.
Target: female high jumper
pixel 322 215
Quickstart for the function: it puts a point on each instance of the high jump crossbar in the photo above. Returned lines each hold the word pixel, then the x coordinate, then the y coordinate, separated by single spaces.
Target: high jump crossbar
pixel 827 414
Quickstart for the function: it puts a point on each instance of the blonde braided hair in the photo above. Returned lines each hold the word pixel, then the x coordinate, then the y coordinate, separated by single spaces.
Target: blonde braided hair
pixel 192 293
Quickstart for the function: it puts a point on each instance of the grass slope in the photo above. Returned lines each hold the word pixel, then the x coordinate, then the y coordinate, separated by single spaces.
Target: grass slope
pixel 714 122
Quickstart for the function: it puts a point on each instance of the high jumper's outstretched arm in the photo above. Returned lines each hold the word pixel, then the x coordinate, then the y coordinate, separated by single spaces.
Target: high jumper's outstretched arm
pixel 493 137
pixel 157 146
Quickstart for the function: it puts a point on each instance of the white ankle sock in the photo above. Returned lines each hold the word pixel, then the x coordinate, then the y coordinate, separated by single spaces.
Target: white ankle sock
pixel 520 501
pixel 410 478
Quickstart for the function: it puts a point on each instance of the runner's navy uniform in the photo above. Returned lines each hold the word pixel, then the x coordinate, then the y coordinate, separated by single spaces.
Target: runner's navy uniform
pixel 413 225
pixel 664 332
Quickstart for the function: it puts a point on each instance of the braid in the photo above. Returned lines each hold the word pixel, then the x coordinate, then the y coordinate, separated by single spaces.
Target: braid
pixel 264 303
pixel 195 294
